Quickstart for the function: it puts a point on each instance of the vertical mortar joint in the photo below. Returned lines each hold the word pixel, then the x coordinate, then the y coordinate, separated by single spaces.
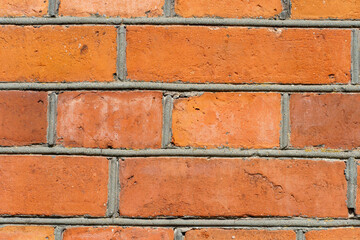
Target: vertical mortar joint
pixel 169 8
pixel 285 129
pixel 58 233
pixel 113 189
pixel 167 121
pixel 351 177
pixel 355 56
pixel 52 118
pixel 300 235
pixel 286 12
pixel 121 56
pixel 53 8
pixel 179 234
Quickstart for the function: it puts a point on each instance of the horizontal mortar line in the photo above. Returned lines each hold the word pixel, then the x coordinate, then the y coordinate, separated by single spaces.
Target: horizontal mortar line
pixel 178 87
pixel 181 152
pixel 182 21
pixel 263 222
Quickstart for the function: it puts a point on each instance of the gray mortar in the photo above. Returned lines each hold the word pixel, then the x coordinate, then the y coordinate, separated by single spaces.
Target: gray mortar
pixel 121 56
pixel 167 115
pixel 169 8
pixel 179 87
pixel 182 21
pixel 58 232
pixel 113 185
pixel 355 56
pixel 53 8
pixel 300 235
pixel 52 116
pixel 285 113
pixel 351 177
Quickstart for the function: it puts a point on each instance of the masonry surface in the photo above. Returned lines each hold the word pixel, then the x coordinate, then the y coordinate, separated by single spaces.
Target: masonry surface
pixel 179 120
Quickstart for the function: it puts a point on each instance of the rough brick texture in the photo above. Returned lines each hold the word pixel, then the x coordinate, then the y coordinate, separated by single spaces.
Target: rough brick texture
pixel 122 8
pixel 110 119
pixel 237 120
pixel 27 233
pixel 238 55
pixel 47 185
pixel 232 187
pixel 57 53
pixel 204 234
pixel 334 234
pixel 325 120
pixel 319 9
pixel 112 233
pixel 23 118
pixel 33 8
pixel 228 8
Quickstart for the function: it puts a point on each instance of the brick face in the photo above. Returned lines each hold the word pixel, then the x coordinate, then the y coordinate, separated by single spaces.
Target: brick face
pixel 215 54
pixel 228 8
pixel 33 8
pixel 123 8
pixel 319 9
pixel 236 120
pixel 231 187
pixel 112 233
pixel 23 118
pixel 110 119
pixel 27 233
pixel 57 53
pixel 239 234
pixel 334 234
pixel 46 185
pixel 325 120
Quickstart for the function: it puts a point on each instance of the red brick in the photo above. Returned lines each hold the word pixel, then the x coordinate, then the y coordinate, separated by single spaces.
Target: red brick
pixel 27 233
pixel 321 9
pixel 122 8
pixel 57 53
pixel 236 120
pixel 110 233
pixel 238 55
pixel 327 120
pixel 334 234
pixel 228 8
pixel 23 118
pixel 34 8
pixel 232 187
pixel 110 119
pixel 230 234
pixel 46 185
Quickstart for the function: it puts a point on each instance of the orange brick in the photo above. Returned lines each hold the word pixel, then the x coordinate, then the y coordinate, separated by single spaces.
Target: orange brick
pixel 57 53
pixel 334 234
pixel 228 8
pixel 232 187
pixel 26 233
pixel 46 185
pixel 327 120
pixel 238 55
pixel 23 118
pixel 239 234
pixel 110 233
pixel 34 8
pixel 236 120
pixel 122 8
pixel 320 9
pixel 110 119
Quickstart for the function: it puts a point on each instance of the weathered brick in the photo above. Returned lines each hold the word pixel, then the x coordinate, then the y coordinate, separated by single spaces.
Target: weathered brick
pixel 122 8
pixel 238 55
pixel 23 118
pixel 232 187
pixel 236 120
pixel 321 9
pixel 46 185
pixel 334 234
pixel 239 234
pixel 27 233
pixel 33 8
pixel 325 120
pixel 110 233
pixel 228 8
pixel 57 53
pixel 110 119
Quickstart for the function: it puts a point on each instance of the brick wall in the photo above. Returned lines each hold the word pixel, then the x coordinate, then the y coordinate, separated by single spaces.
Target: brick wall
pixel 179 119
